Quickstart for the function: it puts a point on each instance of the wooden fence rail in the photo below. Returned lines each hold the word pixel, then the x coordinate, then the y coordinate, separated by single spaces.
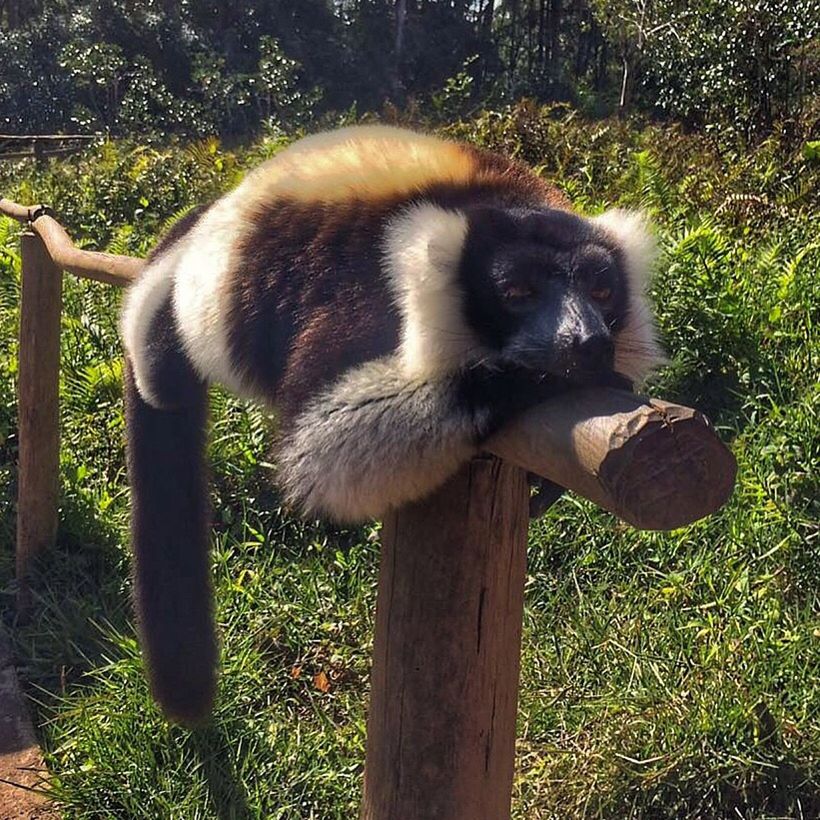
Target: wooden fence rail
pixel 46 251
pixel 44 146
pixel 441 728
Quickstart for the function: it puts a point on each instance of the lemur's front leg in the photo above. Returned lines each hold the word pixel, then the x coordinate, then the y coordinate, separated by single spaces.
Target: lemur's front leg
pixel 498 394
pixel 379 438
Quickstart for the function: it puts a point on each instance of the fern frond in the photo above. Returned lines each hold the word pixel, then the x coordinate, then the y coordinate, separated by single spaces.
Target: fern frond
pixel 120 243
pixel 203 153
pixel 176 216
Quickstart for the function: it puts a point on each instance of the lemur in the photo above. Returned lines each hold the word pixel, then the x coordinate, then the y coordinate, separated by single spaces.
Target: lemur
pixel 395 298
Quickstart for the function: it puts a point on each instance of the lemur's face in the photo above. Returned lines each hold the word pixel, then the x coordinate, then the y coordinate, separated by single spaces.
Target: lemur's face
pixel 546 290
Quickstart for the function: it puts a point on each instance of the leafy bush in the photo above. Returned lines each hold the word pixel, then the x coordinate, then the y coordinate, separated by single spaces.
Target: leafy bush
pixel 125 69
pixel 216 67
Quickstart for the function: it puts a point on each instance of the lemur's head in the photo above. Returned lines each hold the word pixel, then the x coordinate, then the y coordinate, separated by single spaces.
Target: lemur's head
pixel 558 294
pixel 544 289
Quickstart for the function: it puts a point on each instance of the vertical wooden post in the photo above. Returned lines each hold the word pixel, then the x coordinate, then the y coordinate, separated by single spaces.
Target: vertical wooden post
pixel 444 693
pixel 38 406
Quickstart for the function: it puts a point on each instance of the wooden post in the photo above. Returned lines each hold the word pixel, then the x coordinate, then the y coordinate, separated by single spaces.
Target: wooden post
pixel 38 406
pixel 444 693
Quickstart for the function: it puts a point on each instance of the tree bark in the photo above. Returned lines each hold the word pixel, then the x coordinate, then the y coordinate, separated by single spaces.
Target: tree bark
pixel 398 70
pixel 556 12
pixel 441 727
pixel 38 407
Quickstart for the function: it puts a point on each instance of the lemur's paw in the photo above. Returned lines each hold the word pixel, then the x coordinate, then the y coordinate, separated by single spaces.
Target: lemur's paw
pixel 546 494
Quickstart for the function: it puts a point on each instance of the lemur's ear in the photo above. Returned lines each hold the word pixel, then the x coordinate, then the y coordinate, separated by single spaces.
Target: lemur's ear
pixel 637 351
pixel 632 231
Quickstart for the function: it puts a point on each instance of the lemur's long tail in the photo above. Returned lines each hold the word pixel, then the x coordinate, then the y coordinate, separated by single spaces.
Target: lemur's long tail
pixel 169 538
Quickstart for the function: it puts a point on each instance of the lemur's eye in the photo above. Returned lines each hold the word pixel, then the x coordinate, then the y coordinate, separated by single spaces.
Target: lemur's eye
pixel 601 293
pixel 516 293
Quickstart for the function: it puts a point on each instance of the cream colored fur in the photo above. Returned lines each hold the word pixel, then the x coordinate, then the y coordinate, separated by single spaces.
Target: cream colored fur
pixel 193 271
pixel 201 275
pixel 389 431
pixel 637 351
pixel 422 250
pixel 366 161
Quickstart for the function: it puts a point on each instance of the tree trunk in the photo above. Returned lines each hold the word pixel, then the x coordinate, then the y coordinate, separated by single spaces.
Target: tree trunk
pixel 556 12
pixel 626 84
pixel 487 16
pixel 398 71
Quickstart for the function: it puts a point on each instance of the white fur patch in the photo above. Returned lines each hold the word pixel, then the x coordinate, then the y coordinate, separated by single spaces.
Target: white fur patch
pixel 375 440
pixel 193 271
pixel 637 351
pixel 422 248
pixel 200 276
pixel 142 301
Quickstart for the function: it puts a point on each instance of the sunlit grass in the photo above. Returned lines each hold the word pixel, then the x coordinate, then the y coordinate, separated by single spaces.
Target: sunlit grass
pixel 664 675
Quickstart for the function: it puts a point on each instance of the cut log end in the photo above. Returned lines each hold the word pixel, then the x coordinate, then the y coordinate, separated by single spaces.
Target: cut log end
pixel 670 471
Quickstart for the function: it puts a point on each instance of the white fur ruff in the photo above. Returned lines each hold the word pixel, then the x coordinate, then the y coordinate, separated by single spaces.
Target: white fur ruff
pixel 373 441
pixel 422 251
pixel 637 351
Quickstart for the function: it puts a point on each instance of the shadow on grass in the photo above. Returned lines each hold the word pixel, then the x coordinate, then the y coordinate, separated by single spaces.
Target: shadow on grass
pixel 78 595
pixel 785 791
pixel 777 792
pixel 80 598
pixel 228 798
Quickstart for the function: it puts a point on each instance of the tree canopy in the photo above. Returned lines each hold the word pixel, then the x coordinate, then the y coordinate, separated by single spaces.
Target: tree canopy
pixel 233 66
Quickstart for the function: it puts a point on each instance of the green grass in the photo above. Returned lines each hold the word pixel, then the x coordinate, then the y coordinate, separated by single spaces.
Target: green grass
pixel 664 675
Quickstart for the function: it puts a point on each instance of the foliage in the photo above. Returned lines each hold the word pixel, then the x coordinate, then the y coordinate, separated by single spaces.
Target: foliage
pixel 664 674
pixel 104 65
pixel 214 67
pixel 748 64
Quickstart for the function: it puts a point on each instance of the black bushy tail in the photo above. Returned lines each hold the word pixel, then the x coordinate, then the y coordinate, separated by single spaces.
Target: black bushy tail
pixel 169 538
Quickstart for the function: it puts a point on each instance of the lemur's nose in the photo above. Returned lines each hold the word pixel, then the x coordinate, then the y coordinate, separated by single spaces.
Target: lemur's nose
pixel 595 351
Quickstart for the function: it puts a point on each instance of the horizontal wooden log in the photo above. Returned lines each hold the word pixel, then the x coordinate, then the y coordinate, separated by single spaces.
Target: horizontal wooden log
pixel 50 137
pixel 41 154
pixel 21 213
pixel 656 465
pixel 102 267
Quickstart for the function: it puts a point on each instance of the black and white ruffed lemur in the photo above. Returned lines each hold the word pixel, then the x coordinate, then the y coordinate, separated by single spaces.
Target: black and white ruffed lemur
pixel 396 298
